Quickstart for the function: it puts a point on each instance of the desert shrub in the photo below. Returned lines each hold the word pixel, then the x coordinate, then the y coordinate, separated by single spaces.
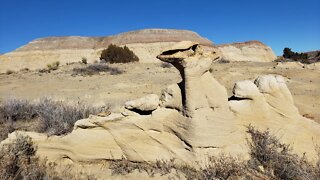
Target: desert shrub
pixel 14 110
pixel 18 160
pixel 116 54
pixel 276 158
pixel 84 60
pixel 166 65
pixel 96 69
pixel 223 61
pixel 54 66
pixel 287 53
pixel 9 72
pixel 222 167
pixel 53 117
pixel 57 118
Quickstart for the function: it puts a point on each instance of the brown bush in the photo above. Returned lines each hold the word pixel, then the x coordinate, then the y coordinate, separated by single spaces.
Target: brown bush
pixel 18 160
pixel 115 54
pixel 277 158
pixel 96 69
pixel 55 117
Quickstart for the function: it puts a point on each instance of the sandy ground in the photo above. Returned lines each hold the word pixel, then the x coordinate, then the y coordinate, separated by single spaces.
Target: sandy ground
pixel 141 79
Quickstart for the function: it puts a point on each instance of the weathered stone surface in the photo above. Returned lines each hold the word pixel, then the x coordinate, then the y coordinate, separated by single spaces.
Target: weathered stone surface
pixel 171 97
pixel 147 44
pixel 247 51
pixel 271 106
pixel 146 103
pixel 192 121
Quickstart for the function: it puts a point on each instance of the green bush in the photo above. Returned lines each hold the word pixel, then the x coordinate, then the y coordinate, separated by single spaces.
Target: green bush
pixel 287 53
pixel 116 54
pixel 84 60
pixel 54 66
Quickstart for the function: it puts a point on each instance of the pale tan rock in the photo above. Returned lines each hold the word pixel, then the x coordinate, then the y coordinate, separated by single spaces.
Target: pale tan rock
pixel 146 103
pixel 254 51
pixel 171 97
pixel 273 108
pixel 289 65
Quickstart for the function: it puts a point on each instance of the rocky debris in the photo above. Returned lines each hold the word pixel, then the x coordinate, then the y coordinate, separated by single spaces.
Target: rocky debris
pixel 192 119
pixel 297 65
pixel 254 51
pixel 146 103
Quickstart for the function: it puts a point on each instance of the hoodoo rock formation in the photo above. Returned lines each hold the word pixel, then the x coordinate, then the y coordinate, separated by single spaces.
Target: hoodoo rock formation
pixel 146 44
pixel 189 121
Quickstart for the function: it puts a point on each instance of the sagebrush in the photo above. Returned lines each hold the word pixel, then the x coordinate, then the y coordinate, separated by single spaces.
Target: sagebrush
pixel 96 68
pixel 53 117
pixel 116 54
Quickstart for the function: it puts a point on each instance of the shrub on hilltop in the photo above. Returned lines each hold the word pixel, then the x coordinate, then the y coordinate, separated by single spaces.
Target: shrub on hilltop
pixel 116 54
pixel 287 53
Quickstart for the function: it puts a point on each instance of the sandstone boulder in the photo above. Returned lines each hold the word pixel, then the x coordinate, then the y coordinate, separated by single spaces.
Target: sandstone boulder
pixel 146 103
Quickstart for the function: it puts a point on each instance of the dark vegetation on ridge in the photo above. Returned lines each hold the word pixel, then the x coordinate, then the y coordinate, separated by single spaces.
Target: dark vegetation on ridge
pixel 116 54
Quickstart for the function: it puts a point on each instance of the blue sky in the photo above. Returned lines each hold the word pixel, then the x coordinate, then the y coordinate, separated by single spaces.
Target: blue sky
pixel 277 23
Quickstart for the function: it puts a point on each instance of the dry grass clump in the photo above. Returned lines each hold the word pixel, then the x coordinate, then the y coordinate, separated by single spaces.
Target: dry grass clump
pixel 277 159
pixel 18 160
pixel 57 118
pixel 52 117
pixel 16 110
pixel 222 167
pixel 8 72
pixel 54 66
pixel 96 68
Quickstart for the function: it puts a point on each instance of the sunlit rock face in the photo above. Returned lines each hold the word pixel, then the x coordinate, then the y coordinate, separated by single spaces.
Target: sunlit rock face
pixel 254 51
pixel 189 121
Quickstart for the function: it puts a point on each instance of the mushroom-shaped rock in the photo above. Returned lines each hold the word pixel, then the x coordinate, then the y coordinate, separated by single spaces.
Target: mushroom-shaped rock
pixel 146 103
pixel 193 64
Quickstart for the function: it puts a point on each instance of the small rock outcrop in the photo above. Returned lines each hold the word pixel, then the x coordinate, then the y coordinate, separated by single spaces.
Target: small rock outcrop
pixel 146 103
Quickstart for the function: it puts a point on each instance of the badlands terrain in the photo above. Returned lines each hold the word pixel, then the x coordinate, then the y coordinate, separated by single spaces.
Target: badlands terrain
pixel 186 99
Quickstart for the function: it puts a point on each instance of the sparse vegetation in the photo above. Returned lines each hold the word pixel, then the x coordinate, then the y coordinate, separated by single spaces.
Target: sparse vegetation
pixel 270 159
pixel 96 68
pixel 287 53
pixel 223 61
pixel 18 160
pixel 277 158
pixel 9 72
pixel 53 117
pixel 54 66
pixel 116 54
pixel 57 118
pixel 84 60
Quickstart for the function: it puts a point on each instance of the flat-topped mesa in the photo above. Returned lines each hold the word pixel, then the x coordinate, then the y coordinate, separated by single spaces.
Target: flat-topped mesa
pixel 193 63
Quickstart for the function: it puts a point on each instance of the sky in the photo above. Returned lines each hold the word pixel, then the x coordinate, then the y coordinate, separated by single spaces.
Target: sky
pixel 277 23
